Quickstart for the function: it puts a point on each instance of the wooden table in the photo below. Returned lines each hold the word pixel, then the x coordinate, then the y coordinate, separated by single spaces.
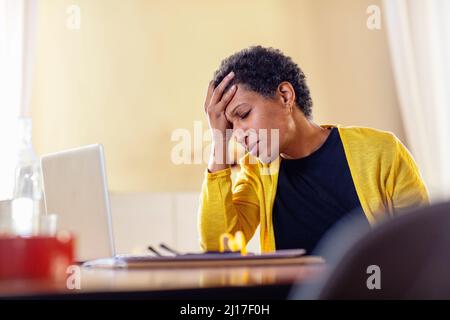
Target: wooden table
pixel 186 283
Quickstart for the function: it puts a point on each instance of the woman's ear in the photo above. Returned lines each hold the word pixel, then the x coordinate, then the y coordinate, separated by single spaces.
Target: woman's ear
pixel 287 94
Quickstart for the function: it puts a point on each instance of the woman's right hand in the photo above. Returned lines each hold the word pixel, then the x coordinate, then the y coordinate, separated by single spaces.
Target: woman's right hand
pixel 215 105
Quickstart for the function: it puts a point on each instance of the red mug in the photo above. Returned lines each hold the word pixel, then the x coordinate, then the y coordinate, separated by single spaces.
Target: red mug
pixel 36 257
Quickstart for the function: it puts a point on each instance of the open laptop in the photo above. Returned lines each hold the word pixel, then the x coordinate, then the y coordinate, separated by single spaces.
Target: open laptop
pixel 76 189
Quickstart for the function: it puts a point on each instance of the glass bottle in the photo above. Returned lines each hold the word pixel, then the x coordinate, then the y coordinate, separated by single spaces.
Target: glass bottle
pixel 27 195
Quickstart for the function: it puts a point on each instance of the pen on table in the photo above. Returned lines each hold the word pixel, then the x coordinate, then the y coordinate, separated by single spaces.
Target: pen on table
pixel 154 251
pixel 162 245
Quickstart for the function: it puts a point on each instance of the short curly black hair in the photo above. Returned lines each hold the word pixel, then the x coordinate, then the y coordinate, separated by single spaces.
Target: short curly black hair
pixel 262 69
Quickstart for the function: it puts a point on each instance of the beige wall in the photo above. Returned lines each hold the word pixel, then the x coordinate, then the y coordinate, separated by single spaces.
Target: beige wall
pixel 138 69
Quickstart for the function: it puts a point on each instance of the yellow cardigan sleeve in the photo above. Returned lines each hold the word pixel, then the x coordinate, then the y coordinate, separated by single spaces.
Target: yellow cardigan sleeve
pixel 407 188
pixel 227 208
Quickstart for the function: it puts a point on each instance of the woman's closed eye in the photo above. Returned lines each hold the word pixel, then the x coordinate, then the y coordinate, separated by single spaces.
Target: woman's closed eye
pixel 244 115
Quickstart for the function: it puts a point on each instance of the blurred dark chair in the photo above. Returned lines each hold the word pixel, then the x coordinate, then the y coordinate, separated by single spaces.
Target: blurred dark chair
pixel 411 250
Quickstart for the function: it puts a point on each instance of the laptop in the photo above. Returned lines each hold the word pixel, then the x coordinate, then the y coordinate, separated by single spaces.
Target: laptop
pixel 76 189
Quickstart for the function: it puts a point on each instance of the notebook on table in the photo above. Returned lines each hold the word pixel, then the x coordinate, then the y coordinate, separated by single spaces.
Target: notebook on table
pixel 193 260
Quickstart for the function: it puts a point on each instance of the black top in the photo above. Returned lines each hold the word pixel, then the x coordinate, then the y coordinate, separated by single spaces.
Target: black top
pixel 313 193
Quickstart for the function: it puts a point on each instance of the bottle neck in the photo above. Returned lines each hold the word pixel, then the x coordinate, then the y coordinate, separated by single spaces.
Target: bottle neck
pixel 26 152
pixel 25 131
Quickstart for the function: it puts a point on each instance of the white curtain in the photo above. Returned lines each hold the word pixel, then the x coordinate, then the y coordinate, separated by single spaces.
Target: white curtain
pixel 419 40
pixel 17 30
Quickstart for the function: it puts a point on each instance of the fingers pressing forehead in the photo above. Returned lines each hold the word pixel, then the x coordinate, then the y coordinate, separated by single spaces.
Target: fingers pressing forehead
pixel 220 89
pixel 229 78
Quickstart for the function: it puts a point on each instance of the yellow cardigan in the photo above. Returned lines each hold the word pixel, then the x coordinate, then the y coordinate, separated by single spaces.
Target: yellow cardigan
pixel 385 176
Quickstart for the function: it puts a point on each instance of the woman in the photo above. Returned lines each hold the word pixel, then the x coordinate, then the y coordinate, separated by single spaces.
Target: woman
pixel 298 178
